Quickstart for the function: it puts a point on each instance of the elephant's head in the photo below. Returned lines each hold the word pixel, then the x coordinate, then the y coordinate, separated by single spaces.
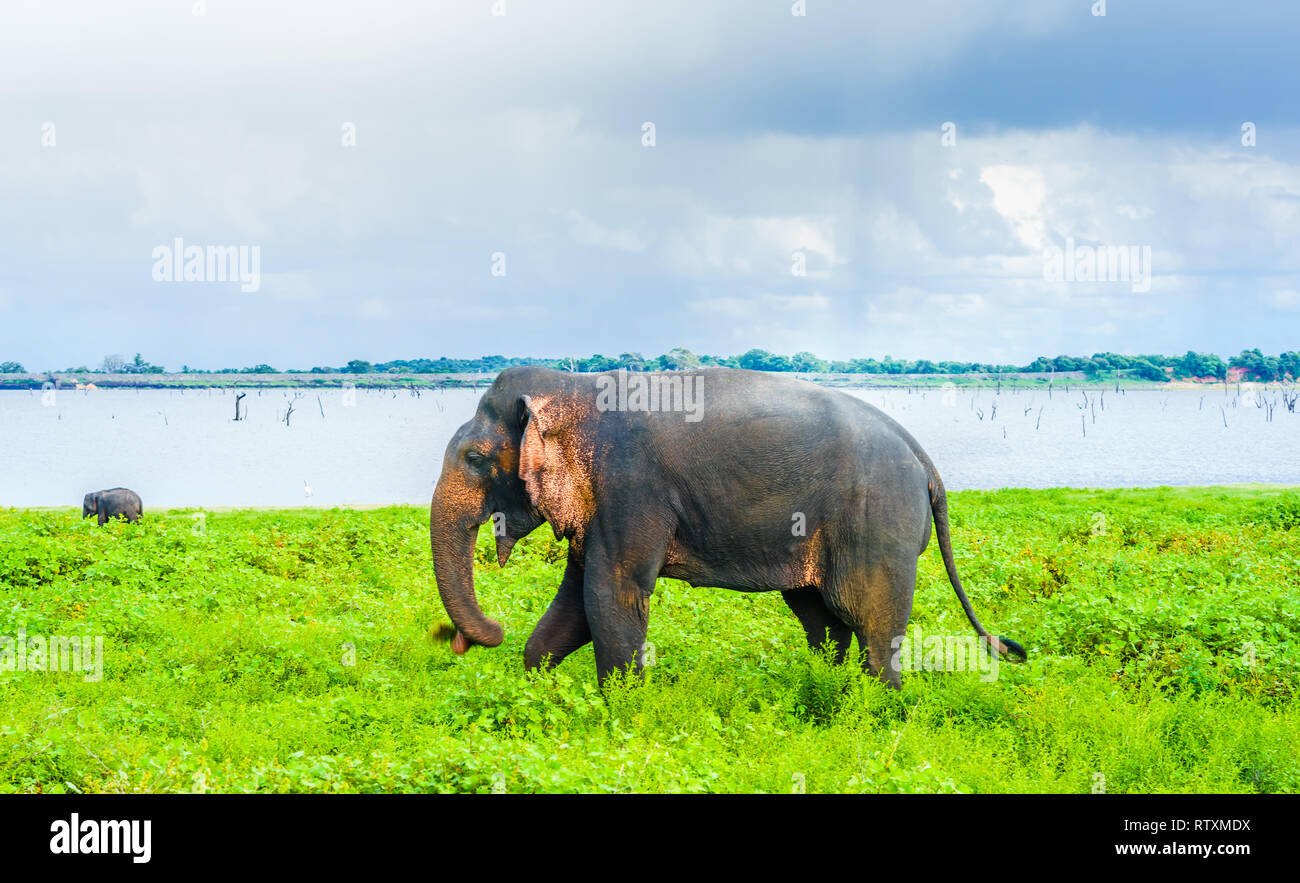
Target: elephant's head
pixel 89 505
pixel 512 464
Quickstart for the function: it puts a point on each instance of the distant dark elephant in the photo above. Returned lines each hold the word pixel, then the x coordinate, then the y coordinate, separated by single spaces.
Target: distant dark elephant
pixel 738 479
pixel 112 503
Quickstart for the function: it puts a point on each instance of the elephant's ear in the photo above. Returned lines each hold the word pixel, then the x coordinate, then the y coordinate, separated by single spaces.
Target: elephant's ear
pixel 532 450
pixel 555 461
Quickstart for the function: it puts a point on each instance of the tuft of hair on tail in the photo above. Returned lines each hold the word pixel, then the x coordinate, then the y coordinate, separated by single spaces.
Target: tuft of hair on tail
pixel 1006 647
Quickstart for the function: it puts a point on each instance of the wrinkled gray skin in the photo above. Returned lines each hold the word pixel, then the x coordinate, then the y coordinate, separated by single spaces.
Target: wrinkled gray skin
pixel 781 485
pixel 112 503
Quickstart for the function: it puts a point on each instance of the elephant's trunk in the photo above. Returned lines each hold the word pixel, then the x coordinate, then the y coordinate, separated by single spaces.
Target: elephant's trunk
pixel 454 517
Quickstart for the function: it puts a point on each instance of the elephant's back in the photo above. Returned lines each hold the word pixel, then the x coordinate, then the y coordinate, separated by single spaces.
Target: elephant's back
pixel 738 393
pixel 769 421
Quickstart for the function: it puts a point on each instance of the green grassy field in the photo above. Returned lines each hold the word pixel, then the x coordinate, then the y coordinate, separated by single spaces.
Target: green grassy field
pixel 289 651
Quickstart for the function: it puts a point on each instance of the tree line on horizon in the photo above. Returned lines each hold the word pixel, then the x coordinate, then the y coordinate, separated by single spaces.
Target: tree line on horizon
pixel 1254 364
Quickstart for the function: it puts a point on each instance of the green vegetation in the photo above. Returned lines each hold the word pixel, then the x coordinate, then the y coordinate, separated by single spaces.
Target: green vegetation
pixel 1251 365
pixel 1163 628
pixel 119 365
pixel 1257 366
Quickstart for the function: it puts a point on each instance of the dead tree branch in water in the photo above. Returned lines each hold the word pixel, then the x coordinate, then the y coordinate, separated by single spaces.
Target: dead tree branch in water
pixel 289 413
pixel 1262 401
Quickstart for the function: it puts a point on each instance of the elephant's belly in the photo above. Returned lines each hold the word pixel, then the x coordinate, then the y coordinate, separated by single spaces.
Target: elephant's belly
pixel 791 569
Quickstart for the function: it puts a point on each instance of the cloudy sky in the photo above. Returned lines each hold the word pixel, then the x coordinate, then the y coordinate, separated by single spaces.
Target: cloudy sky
pixel 383 156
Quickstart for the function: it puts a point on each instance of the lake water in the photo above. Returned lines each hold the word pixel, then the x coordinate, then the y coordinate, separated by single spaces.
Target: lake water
pixel 182 449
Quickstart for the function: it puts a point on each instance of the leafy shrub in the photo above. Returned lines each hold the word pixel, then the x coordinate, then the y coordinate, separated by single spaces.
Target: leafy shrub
pixel 1282 513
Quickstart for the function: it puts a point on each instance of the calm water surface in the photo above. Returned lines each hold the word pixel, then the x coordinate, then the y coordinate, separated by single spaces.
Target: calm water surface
pixel 181 449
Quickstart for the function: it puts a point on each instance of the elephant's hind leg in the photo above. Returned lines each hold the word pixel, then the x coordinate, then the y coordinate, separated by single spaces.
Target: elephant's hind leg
pixel 877 600
pixel 563 628
pixel 819 623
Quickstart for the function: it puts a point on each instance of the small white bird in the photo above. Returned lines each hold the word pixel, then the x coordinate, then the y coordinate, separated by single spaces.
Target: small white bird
pixel 306 488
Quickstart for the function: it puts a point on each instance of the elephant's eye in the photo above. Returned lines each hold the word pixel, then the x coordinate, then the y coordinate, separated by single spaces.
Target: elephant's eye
pixel 475 459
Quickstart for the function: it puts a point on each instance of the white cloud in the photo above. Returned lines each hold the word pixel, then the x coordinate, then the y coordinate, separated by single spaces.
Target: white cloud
pixel 766 302
pixel 522 134
pixel 904 305
pixel 1018 196
pixel 587 232
pixel 374 308
pixel 291 286
pixel 1285 300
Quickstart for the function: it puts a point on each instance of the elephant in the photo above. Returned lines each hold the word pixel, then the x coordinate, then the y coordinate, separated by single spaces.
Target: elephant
pixel 762 483
pixel 112 503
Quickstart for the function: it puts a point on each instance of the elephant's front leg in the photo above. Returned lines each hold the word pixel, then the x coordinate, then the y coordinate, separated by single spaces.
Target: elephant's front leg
pixel 563 628
pixel 618 584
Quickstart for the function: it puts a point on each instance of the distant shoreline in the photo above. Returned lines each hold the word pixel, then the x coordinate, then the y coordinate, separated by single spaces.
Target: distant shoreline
pixel 1233 488
pixel 305 380
pixel 397 381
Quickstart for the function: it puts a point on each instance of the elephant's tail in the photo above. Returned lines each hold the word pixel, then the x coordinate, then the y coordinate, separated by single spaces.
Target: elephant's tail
pixel 939 508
